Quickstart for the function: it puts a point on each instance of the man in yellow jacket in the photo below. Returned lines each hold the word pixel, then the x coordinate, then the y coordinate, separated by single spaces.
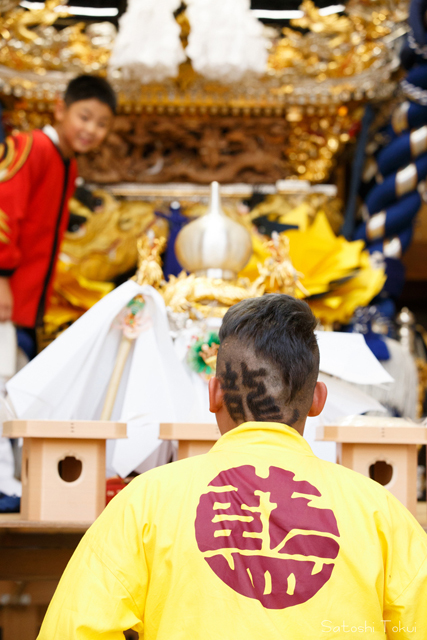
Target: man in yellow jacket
pixel 258 539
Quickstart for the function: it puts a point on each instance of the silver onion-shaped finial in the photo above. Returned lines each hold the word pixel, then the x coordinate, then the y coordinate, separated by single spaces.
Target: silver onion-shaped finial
pixel 214 245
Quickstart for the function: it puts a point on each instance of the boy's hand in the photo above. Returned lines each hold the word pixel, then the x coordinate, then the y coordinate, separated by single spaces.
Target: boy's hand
pixel 6 300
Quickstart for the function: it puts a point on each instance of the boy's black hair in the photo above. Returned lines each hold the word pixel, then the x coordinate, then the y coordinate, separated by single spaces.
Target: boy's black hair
pixel 86 87
pixel 268 361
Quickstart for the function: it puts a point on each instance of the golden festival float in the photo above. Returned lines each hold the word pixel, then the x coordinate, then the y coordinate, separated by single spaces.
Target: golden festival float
pixel 276 138
pixel 276 132
pixel 260 134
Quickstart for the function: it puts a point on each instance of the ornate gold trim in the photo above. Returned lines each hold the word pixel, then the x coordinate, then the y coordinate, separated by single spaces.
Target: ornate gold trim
pixel 4 228
pixel 5 173
pixel 6 153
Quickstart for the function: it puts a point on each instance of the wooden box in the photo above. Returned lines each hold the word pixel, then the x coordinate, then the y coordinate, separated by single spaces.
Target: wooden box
pixel 63 467
pixel 384 449
pixel 193 438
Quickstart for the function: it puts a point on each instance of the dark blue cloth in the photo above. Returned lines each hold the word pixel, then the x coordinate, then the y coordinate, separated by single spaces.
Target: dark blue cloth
pixel 405 239
pixel 395 156
pixel 395 273
pixel 176 221
pixel 9 504
pixel 416 20
pixel 356 174
pixel 383 195
pixel 386 307
pixel 416 115
pixel 375 341
pixel 377 345
pixel 418 76
pixel 266 226
pixel 417 12
pixel 408 57
pixel 27 341
pixel 398 216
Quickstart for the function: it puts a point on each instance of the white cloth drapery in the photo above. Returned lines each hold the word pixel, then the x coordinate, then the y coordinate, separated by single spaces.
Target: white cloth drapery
pixel 226 40
pixel 148 46
pixel 69 379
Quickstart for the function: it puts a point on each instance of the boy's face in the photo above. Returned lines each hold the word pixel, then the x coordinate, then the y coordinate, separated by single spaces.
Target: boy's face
pixel 84 124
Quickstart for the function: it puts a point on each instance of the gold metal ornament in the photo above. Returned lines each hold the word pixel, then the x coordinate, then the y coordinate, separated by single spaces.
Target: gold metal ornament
pixel 206 297
pixel 280 275
pixel 7 5
pixel 149 262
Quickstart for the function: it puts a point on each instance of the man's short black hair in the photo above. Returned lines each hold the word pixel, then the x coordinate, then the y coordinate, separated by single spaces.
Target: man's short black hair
pixel 86 87
pixel 268 361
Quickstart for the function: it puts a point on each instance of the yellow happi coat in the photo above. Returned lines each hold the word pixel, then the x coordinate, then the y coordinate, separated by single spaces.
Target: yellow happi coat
pixel 256 540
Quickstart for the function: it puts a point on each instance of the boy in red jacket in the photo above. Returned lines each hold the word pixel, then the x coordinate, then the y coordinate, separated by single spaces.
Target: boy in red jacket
pixel 38 172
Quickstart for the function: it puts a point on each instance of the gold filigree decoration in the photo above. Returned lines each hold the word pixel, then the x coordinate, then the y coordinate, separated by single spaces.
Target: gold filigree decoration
pixel 348 51
pixel 278 271
pixel 105 246
pixel 345 51
pixel 209 354
pixel 206 297
pixel 149 262
pixel 29 42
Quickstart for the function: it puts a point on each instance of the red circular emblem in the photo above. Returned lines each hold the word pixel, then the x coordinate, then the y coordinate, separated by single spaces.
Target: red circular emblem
pixel 263 538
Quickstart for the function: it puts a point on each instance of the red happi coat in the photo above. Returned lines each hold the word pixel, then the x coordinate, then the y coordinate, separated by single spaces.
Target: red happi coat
pixel 36 184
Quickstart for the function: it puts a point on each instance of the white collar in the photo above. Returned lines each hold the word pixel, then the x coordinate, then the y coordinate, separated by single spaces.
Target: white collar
pixel 52 134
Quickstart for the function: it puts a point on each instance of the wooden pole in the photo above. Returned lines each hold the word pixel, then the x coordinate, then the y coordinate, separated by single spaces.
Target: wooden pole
pixel 116 376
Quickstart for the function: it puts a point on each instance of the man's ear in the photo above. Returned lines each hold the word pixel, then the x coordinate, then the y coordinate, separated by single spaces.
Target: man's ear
pixel 216 395
pixel 319 399
pixel 60 108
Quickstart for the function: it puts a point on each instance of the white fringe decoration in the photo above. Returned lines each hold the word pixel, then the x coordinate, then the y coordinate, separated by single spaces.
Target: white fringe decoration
pixel 226 40
pixel 148 47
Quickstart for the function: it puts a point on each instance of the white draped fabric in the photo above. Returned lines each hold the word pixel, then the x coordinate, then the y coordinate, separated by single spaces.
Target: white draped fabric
pixel 69 379
pixel 148 45
pixel 226 40
pixel 401 395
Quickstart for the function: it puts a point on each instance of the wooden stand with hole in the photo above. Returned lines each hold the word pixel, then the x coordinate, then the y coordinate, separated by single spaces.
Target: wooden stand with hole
pixel 63 467
pixel 193 439
pixel 384 449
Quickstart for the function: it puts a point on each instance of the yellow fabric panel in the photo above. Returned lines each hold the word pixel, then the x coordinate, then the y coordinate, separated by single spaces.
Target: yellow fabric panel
pixel 357 292
pixel 299 216
pixel 259 255
pixel 73 295
pixel 323 260
pixel 321 256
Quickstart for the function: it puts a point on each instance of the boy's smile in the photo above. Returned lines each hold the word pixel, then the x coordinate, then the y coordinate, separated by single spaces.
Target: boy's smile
pixel 82 126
